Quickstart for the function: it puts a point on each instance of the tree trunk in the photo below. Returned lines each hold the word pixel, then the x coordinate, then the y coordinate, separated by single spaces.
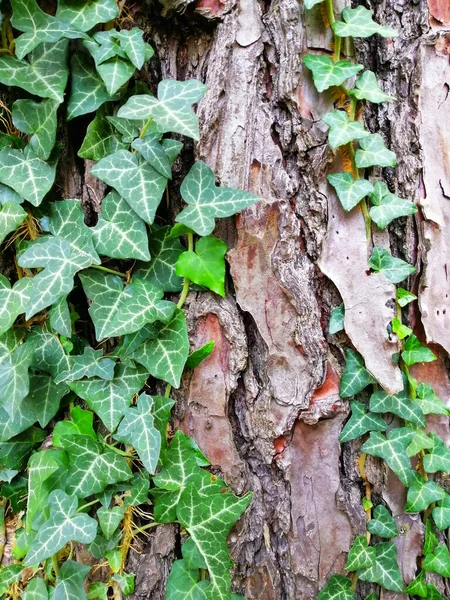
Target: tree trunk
pixel 265 407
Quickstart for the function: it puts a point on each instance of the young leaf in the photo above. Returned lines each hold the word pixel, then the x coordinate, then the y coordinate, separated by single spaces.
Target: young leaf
pixel 360 555
pixel 441 513
pixel 404 297
pixel 400 404
pixel 81 423
pixel 421 494
pixel 438 458
pixel 358 22
pixel 205 266
pixel 355 376
pixel 88 89
pixel 69 585
pixel 36 590
pixel 126 582
pixel 342 131
pixel 132 43
pixel 153 152
pixel 360 423
pixel 98 591
pixel 382 524
pixel 13 301
pixel 372 151
pixel 438 561
pixel 429 402
pixel 421 441
pixel 86 14
pixel 109 520
pixel 337 588
pixel 387 206
pixel 349 191
pixel 414 352
pixel 326 73
pixel 385 570
pixel 172 110
pixel 63 526
pixel 184 582
pixel 394 269
pixel 399 329
pixel 101 138
pixel 393 451
pixel 198 356
pixel 366 88
pixel 337 319
pixel 418 586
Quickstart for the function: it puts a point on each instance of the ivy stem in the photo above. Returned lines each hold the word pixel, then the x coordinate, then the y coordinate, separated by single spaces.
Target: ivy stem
pixel 337 39
pixel 368 511
pixel 2 527
pixel 186 281
pixel 118 451
pixel 88 504
pixel 145 128
pixel 55 565
pixel 106 270
pixel 168 390
pixel 138 530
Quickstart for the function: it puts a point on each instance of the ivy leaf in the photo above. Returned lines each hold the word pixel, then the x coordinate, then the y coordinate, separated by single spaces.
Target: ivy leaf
pixel 14 377
pixel 115 73
pixel 358 22
pixel 360 423
pixel 387 206
pixel 367 88
pixel 349 191
pixel 45 396
pixel 110 399
pixel 372 151
pixel 37 119
pixel 382 524
pixel 421 494
pixel 400 404
pixel 132 43
pixel 120 233
pixel 63 526
pixel 355 376
pixel 165 356
pixel 327 73
pixel 360 555
pixel 438 561
pixel 399 329
pixel 208 522
pixel 126 582
pixel 172 110
pixel 308 4
pixel 26 174
pixel 162 407
pixel 9 575
pixel 208 201
pixel 404 297
pixel 101 138
pixel 438 458
pixel 385 571
pixel 395 269
pixel 205 266
pixel 337 319
pixel 198 356
pixel 393 451
pixel 86 14
pixel 82 423
pixel 70 581
pixel 13 301
pixel 44 74
pixel 418 586
pixel 60 318
pixel 441 513
pixel 135 180
pixel 342 131
pixel 36 590
pixel 432 593
pixel 127 129
pixel 138 430
pixel 431 539
pixel 421 441
pixel 104 292
pixel 109 520
pixel 429 402
pixel 88 89
pixel 414 352
pixel 153 152
pixel 91 470
pixel 337 588
pixel 184 582
pixel 98 591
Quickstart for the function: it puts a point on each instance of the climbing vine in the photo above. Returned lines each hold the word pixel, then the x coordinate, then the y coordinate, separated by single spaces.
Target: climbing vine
pixel 402 443
pixel 87 455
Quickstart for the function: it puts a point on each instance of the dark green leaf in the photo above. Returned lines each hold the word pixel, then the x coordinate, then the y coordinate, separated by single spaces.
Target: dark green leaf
pixel 355 376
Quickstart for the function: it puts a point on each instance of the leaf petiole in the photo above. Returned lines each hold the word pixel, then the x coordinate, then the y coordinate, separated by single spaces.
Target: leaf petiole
pixel 106 270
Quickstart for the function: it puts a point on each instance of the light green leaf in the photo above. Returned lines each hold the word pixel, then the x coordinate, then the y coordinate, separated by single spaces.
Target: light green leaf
pixel 399 329
pixel 429 402
pixel 198 356
pixel 69 585
pixel 360 555
pixel 14 377
pixel 63 526
pixel 126 582
pixel 172 110
pixel 165 356
pixel 184 583
pixel 438 458
pixel 400 404
pixel 360 423
pixel 438 561
pixel 441 513
pixel 358 22
pixel 101 138
pixel 115 73
pixel 349 191
pixel 418 587
pixel 110 399
pixel 36 590
pixel 127 129
pixel 135 180
pixel 120 233
pixel 327 73
pixel 414 352
pixel 367 88
pixel 372 151
pixel 382 524
pixel 88 90
pixel 44 74
pixel 153 152
pixel 432 593
pixel 137 429
pixel 104 46
pixel 355 376
pixel 385 571
pixel 387 206
pixel 13 301
pixel 421 441
pixel 431 538
pixel 404 297
pixel 393 451
pixel 337 319
pixel 45 396
pixel 86 14
pixel 337 588
pixel 26 174
pixel 81 423
pixel 98 591
pixel 208 201
pixel 60 318
pixel 395 269
pixel 342 131
pixel 205 266
pixel 421 494
pixel 109 520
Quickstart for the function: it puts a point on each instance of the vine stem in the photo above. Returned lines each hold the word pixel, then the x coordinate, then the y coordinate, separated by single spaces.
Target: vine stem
pixel 55 565
pixel 138 530
pixel 337 39
pixel 368 511
pixel 118 451
pixel 2 527
pixel 106 270
pixel 88 504
pixel 186 281
pixel 145 128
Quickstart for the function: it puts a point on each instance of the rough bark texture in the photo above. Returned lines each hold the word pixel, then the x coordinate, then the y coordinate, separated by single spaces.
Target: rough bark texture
pixel 265 407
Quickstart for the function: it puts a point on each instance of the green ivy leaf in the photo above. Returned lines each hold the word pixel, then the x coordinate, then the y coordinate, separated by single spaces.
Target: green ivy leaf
pixel 104 292
pixel 414 352
pixel 349 191
pixel 441 513
pixel 360 555
pixel 69 585
pixel 88 89
pixel 198 356
pixel 337 319
pixel 44 74
pixel 165 356
pixel 89 364
pixel 382 524
pixel 110 399
pixel 36 590
pixel 127 129
pixel 360 423
pixel 400 404
pixel 14 377
pixel 438 458
pixel 208 201
pixel 404 297
pixel 132 43
pixel 342 131
pixel 37 119
pixel 115 73
pixel 172 110
pixel 372 151
pixel 120 233
pixel 135 180
pixel 418 586
pixel 358 22
pixel 138 430
pixel 385 571
pixel 101 138
pixel 399 329
pixel 14 453
pixel 109 520
pixel 355 376
pixel 429 402
pixel 387 206
pixel 9 575
pixel 45 396
pixel 395 269
pixel 126 582
pixel 98 591
pixel 337 588
pixel 421 441
pixel 205 266
pixel 82 423
pixel 367 88
pixel 63 526
pixel 60 318
pixel 327 73
pixel 308 4
pixel 438 561
pixel 184 583
pixel 153 152
pixel 86 14
pixel 432 593
pixel 393 451
pixel 421 494
pixel 13 301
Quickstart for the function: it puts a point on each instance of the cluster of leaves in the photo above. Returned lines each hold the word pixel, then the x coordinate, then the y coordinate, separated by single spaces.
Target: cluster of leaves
pixel 113 454
pixel 397 446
